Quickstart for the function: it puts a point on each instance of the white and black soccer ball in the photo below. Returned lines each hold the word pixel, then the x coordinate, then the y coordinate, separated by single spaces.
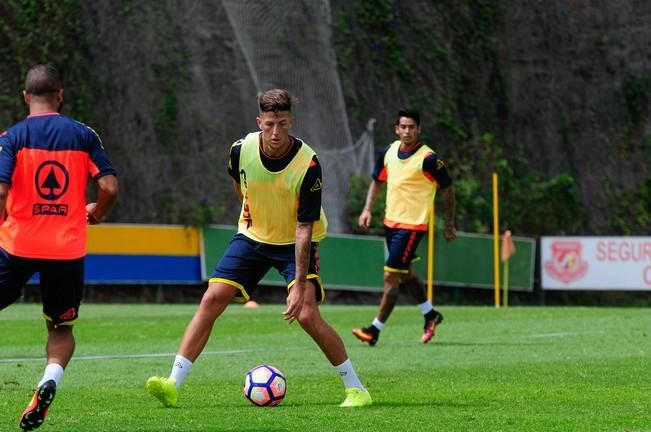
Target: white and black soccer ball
pixel 265 386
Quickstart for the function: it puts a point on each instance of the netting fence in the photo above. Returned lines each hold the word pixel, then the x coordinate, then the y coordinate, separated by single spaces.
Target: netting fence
pixel 290 47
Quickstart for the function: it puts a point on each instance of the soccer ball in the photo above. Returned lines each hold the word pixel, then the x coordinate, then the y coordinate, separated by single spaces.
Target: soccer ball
pixel 265 385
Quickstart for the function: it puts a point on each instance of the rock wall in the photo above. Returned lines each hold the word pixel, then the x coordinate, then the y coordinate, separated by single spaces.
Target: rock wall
pixel 173 91
pixel 570 65
pixel 576 77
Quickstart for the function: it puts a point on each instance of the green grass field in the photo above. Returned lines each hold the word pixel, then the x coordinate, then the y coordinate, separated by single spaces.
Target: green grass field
pixel 516 369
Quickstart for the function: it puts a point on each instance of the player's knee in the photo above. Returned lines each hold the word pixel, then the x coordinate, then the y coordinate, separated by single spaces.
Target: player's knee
pixel 309 316
pixel 391 279
pixel 392 293
pixel 216 298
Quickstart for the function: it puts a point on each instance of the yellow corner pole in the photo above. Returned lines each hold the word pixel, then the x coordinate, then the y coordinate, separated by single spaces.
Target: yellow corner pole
pixel 430 256
pixel 496 242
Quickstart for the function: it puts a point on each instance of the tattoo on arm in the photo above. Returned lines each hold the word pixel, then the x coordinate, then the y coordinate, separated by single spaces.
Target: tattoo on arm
pixel 449 203
pixel 302 248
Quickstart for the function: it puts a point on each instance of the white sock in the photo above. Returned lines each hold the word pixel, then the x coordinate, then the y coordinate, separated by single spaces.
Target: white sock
pixel 180 369
pixel 378 324
pixel 426 307
pixel 54 372
pixel 348 375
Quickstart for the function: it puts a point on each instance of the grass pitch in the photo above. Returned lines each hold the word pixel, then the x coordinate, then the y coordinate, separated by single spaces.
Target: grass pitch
pixel 515 369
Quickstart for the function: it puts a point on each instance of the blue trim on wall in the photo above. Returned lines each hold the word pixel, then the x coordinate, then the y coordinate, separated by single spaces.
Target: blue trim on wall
pixel 142 269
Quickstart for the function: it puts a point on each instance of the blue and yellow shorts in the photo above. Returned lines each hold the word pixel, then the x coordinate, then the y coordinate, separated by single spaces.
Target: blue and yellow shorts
pixel 401 245
pixel 246 261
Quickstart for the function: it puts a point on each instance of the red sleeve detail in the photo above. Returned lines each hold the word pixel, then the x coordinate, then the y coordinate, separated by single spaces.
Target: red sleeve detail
pixel 312 163
pixel 431 178
pixel 383 175
pixel 93 170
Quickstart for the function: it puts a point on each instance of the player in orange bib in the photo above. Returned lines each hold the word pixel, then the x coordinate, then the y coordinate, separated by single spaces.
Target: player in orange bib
pixel 45 163
pixel 413 172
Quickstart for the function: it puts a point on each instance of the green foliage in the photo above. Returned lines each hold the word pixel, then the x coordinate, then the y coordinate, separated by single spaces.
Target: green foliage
pixel 529 202
pixel 635 100
pixel 185 210
pixel 534 204
pixel 473 203
pixel 455 45
pixel 378 18
pixel 165 124
pixel 356 200
pixel 201 214
pixel 169 76
pixel 42 31
pixel 631 213
pixel 468 108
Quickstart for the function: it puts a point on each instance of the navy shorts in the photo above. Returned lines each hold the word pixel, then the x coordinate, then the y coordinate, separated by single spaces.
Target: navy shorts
pixel 246 261
pixel 62 284
pixel 401 244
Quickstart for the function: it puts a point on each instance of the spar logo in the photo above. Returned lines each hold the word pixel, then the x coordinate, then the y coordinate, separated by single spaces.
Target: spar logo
pixel 51 181
pixel 566 264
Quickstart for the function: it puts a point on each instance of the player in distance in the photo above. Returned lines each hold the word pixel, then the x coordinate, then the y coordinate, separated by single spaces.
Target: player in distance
pixel 412 172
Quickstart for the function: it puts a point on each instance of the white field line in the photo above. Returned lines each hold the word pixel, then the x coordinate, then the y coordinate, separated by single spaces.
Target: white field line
pixel 564 334
pixel 130 356
pixel 247 351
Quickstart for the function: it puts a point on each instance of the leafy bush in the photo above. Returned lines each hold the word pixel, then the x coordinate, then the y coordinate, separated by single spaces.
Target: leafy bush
pixel 631 210
pixel 356 199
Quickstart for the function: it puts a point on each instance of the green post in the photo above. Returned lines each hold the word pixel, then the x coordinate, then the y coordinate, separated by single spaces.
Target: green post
pixel 506 284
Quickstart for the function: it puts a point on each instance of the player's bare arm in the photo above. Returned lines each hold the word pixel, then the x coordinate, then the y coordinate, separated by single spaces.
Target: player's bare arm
pixel 238 191
pixel 4 193
pixel 107 193
pixel 364 220
pixel 296 293
pixel 449 230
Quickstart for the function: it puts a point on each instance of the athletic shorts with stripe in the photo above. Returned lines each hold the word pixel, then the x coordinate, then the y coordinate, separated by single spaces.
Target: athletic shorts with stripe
pixel 246 261
pixel 61 282
pixel 401 245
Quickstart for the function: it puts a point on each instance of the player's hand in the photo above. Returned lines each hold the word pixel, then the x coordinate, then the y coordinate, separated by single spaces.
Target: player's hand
pixel 294 302
pixel 364 220
pixel 449 232
pixel 90 217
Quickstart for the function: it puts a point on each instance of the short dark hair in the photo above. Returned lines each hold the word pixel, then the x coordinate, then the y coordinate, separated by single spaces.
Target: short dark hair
pixel 409 113
pixel 42 79
pixel 276 100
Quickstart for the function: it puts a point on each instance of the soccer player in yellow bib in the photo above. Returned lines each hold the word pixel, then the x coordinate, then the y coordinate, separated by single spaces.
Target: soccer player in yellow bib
pixel 412 172
pixel 277 177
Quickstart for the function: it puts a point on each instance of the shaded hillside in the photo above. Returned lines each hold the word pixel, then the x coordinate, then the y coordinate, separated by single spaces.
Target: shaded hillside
pixel 563 85
pixel 174 96
pixel 553 94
